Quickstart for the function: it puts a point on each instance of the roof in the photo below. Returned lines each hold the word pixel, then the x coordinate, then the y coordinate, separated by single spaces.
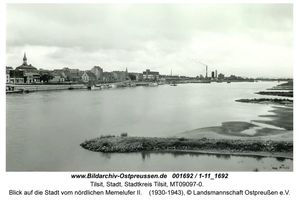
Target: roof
pixel 31 74
pixel 151 73
pixel 25 67
pixel 57 73
pixel 90 74
pixel 16 74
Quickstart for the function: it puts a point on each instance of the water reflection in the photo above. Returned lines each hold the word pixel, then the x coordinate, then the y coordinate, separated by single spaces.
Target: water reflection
pixel 223 156
pixel 107 156
pixel 280 159
pixel 145 155
pixel 258 158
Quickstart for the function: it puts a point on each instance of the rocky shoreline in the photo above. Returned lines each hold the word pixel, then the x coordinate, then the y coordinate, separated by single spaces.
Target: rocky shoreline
pixel 112 144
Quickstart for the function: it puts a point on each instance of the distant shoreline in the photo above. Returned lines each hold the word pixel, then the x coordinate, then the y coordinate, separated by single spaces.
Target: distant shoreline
pixel 26 88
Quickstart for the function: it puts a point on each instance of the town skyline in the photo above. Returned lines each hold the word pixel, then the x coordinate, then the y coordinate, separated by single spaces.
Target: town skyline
pixel 208 71
pixel 247 40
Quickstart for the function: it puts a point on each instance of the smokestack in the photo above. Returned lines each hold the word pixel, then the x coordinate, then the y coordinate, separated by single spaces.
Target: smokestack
pixel 206 71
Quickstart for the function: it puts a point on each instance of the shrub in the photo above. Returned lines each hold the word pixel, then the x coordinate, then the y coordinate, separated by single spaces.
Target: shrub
pixel 124 134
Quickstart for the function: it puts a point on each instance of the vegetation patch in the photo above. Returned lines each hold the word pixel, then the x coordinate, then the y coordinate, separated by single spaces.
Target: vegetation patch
pixel 140 144
pixel 267 101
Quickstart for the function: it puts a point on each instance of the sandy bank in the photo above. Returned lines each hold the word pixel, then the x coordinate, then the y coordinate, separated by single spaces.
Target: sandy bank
pixel 278 126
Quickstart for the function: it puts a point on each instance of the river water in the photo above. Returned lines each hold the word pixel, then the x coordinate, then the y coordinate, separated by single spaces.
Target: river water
pixel 44 129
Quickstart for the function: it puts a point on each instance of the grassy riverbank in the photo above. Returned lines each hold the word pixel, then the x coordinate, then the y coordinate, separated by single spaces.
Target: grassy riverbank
pixel 267 101
pixel 275 93
pixel 203 145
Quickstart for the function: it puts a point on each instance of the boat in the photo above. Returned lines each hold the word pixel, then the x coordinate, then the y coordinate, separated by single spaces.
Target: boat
pixel 94 87
pixel 113 86
pixel 104 86
pixel 132 84
pixel 153 84
pixel 173 84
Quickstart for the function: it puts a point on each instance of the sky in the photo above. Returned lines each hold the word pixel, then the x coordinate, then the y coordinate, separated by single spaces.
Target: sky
pixel 249 40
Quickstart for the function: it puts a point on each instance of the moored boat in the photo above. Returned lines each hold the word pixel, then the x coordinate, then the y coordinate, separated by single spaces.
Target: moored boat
pixel 154 84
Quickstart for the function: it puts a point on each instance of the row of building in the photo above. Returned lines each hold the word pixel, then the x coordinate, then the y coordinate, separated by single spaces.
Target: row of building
pixel 28 74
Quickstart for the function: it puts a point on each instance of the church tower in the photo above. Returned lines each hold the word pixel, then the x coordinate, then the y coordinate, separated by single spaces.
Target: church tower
pixel 25 59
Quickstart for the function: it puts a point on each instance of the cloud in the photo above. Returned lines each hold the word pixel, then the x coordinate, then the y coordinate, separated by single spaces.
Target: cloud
pixel 243 39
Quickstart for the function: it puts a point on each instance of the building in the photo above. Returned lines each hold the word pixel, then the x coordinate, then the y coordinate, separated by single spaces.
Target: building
pixel 45 75
pixel 221 76
pixel 8 69
pixel 98 72
pixel 133 76
pixel 170 78
pixel 150 75
pixel 72 75
pixel 57 76
pixel 31 77
pixel 16 77
pixel 7 77
pixel 25 67
pixel 108 77
pixel 88 76
pixel 120 75
pixel 31 74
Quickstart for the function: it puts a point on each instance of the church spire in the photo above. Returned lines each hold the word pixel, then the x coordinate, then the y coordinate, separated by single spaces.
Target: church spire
pixel 25 59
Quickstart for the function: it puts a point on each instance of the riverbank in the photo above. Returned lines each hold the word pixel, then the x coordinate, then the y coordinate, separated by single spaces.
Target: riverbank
pixel 111 144
pixel 25 88
pixel 287 91
pixel 278 125
pixel 275 101
pixel 284 86
pixel 280 117
pixel 237 130
pixel 274 93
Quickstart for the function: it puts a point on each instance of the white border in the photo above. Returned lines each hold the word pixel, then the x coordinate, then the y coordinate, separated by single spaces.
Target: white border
pixel 43 180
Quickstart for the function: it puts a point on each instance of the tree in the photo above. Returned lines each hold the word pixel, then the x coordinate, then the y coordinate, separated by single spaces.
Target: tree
pixel 132 77
pixel 46 77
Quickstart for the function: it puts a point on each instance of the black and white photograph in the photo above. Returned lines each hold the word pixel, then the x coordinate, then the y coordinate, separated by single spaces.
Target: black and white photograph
pixel 149 87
